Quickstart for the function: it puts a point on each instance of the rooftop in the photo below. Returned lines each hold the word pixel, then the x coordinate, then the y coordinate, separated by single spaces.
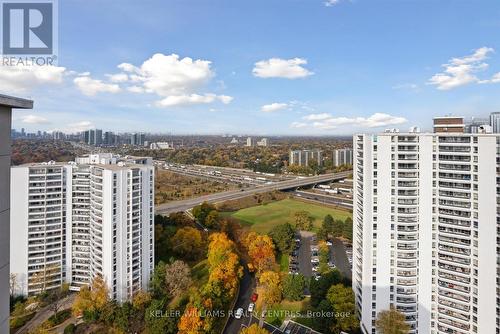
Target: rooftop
pixel 15 102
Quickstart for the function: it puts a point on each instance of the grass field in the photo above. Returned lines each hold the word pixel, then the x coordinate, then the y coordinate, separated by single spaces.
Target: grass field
pixel 263 218
pixel 286 309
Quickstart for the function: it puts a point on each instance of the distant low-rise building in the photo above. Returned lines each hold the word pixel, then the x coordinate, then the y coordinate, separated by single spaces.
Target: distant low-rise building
pixel 264 142
pixel 161 146
pixel 305 157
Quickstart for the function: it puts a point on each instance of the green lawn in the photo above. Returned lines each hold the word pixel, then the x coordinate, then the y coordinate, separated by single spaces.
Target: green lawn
pixel 287 309
pixel 263 218
pixel 283 262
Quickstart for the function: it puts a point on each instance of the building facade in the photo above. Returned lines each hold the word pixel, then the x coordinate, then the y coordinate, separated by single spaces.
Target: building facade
pixel 75 221
pixel 305 157
pixel 426 228
pixel 7 103
pixel 342 157
pixel 495 121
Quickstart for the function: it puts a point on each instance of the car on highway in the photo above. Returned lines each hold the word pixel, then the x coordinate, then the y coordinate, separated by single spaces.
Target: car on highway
pixel 251 306
pixel 239 313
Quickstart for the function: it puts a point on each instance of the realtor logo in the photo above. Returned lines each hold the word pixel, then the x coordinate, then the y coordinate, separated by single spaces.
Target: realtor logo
pixel 28 27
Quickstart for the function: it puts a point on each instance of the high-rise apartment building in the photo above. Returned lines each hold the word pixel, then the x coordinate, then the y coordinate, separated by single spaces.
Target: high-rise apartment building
pixel 7 103
pixel 342 157
pixel 426 229
pixel 74 221
pixel 250 142
pixel 305 157
pixel 495 121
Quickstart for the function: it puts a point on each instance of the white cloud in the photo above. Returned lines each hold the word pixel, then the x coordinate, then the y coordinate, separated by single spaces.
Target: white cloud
pixel 34 119
pixel 135 89
pixel 406 86
pixel 326 121
pixel 281 68
pixel 15 79
pixel 179 100
pixel 91 87
pixel 317 117
pixel 273 107
pixel 462 71
pixel 169 75
pixel 331 3
pixel 298 125
pixel 78 127
pixel 119 77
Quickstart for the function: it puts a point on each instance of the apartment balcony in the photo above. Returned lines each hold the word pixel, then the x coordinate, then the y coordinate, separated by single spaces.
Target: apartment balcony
pixel 457 306
pixel 453 268
pixel 454 222
pixel 406 291
pixel 454 213
pixel 453 259
pixel 454 241
pixel 455 278
pixel 453 324
pixel 411 264
pixel 453 295
pixel 407 256
pixel 453 286
pixel 406 281
pixel 454 250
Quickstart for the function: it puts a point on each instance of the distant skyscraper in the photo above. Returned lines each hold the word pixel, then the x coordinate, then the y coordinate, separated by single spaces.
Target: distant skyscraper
pixel 426 229
pixel 91 137
pixel 250 142
pixel 305 157
pixel 342 157
pixel 495 121
pixel 74 221
pixel 98 137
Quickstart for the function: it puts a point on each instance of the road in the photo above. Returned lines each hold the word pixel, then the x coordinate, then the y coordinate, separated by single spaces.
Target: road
pixel 184 205
pixel 337 251
pixel 45 313
pixel 324 199
pixel 247 286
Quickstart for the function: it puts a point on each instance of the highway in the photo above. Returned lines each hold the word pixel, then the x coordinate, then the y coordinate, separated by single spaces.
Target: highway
pixel 184 205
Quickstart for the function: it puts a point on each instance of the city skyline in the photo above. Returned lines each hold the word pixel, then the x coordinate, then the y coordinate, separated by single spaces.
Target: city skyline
pixel 338 71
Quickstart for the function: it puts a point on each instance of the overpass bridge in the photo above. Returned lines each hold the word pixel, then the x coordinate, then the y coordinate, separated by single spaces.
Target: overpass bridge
pixel 184 205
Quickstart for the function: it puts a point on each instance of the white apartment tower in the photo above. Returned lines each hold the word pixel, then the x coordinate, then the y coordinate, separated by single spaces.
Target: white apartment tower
pixel 426 231
pixel 74 221
pixel 305 157
pixel 342 157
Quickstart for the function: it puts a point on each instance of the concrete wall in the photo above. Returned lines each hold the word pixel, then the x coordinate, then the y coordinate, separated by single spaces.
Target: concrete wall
pixel 5 151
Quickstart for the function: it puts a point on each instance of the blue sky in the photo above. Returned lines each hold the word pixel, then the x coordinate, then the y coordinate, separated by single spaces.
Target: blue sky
pixel 264 66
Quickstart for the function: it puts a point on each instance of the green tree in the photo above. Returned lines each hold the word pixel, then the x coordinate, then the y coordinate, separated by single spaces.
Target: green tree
pixel 254 329
pixel 328 223
pixel 320 287
pixel 337 228
pixel 200 212
pixel 157 283
pixel 303 221
pixel 283 237
pixel 347 232
pixel 392 322
pixel 342 300
pixel 212 219
pixel 157 321
pixel 293 287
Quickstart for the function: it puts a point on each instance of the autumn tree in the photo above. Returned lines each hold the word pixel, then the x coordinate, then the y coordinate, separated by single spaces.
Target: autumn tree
pixel 254 329
pixel 141 300
pixel 270 288
pixel 91 301
pixel 177 278
pixel 55 298
pixel 324 255
pixel 188 243
pixel 341 299
pixel 191 322
pixel 13 284
pixel 303 221
pixel 392 322
pixel 261 252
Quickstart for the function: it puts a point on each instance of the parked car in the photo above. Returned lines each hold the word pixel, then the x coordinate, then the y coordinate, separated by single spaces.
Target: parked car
pixel 254 297
pixel 239 313
pixel 251 306
pixel 329 243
